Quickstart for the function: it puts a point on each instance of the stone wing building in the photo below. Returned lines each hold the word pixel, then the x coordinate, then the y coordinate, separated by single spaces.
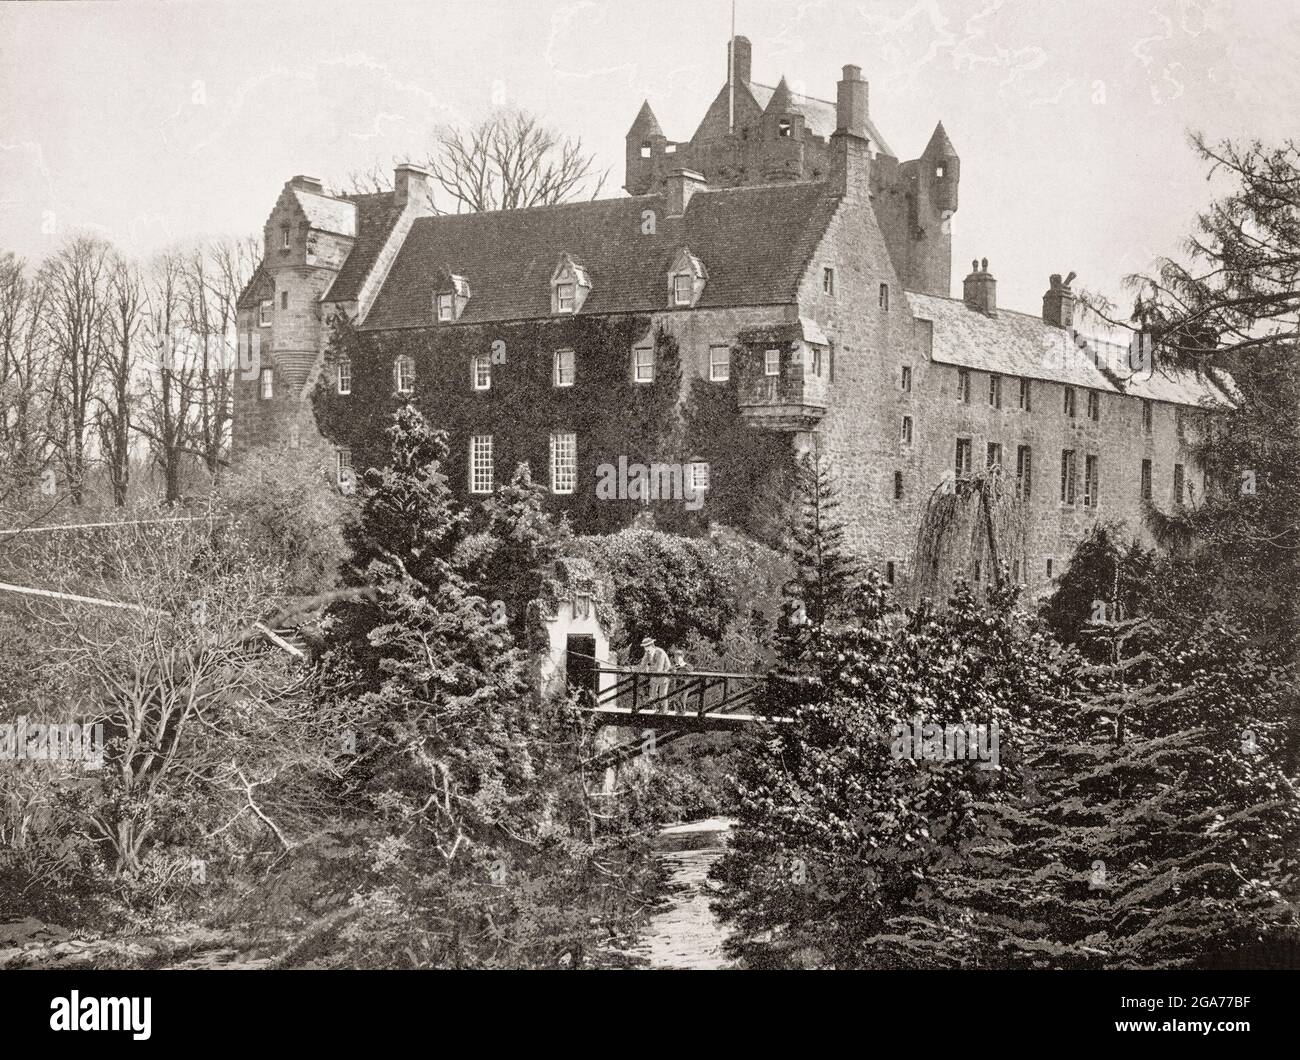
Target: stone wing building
pixel 776 284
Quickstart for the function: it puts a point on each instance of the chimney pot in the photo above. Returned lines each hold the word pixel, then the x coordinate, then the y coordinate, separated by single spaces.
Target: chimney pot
pixel 1058 302
pixel 980 289
pixel 851 103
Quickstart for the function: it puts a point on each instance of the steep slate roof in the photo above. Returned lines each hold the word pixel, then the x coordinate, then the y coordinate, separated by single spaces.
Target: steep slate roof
pixel 754 241
pixel 376 214
pixel 818 114
pixel 1179 386
pixel 1020 344
pixel 1009 343
pixel 258 285
pixel 328 214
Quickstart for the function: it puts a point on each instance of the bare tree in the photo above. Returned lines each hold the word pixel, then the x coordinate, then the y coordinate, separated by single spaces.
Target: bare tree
pixel 194 714
pixel 24 433
pixel 126 305
pixel 230 266
pixel 166 417
pixel 510 161
pixel 75 280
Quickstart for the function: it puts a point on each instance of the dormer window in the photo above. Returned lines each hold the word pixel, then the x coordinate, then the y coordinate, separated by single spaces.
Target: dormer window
pixel 450 297
pixel 686 279
pixel 570 286
pixel 682 289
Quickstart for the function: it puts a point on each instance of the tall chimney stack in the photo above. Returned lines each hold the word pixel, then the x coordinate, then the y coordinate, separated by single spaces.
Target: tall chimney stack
pixel 1058 302
pixel 743 52
pixel 980 289
pixel 679 186
pixel 851 103
pixel 411 183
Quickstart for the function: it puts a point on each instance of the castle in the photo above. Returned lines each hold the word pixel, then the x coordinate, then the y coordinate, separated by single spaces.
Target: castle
pixel 781 274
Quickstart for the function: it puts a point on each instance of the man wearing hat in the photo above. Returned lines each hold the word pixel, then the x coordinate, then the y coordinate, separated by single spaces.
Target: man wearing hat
pixel 654 660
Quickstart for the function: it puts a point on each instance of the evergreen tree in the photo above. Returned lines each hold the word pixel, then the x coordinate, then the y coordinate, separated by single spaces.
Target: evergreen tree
pixel 514 546
pixel 842 827
pixel 826 576
pixel 1155 821
pixel 480 847
pixel 1104 579
pixel 1154 816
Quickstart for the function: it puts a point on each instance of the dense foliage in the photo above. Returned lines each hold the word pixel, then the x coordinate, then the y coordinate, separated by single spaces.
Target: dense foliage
pixel 481 846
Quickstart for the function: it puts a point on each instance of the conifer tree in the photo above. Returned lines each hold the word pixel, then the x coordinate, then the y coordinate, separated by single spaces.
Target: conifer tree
pixel 826 575
pixel 1156 821
pixel 479 850
pixel 842 829
pixel 515 544
pixel 1154 814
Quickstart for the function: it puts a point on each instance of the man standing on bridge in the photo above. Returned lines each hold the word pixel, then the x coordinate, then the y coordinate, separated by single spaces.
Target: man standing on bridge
pixel 654 660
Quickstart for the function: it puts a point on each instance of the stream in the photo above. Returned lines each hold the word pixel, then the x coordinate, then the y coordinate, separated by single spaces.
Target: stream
pixel 686 934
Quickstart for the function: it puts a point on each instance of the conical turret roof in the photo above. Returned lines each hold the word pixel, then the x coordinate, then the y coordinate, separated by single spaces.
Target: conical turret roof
pixel 939 146
pixel 646 124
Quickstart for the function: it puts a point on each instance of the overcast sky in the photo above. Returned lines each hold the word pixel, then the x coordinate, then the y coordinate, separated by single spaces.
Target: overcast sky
pixel 156 122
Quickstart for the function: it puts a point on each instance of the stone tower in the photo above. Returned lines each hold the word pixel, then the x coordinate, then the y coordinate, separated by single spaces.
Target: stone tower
pixel 758 134
pixel 322 253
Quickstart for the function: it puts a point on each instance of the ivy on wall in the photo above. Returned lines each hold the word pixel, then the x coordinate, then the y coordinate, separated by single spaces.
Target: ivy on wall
pixel 751 468
pixel 611 415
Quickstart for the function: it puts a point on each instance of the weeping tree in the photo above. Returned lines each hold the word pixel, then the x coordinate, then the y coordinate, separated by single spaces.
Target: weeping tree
pixel 976 527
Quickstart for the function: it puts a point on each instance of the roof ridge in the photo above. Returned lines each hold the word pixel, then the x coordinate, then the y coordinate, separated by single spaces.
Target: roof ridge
pixel 765 187
pixel 962 301
pixel 800 95
pixel 543 206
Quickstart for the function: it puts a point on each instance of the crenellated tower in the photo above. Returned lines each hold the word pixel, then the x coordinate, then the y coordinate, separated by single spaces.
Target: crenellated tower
pixel 756 134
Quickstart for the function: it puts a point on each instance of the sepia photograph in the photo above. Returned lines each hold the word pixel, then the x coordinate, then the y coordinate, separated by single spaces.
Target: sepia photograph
pixel 736 488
